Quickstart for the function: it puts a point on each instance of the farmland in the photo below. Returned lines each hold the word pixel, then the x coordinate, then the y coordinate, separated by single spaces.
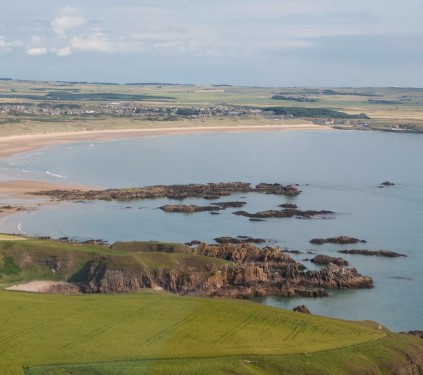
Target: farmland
pixel 38 107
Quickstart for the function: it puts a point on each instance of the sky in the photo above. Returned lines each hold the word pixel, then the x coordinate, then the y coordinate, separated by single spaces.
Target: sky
pixel 338 43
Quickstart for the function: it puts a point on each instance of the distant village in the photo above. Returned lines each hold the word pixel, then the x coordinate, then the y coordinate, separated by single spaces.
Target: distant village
pixel 131 109
pixel 169 113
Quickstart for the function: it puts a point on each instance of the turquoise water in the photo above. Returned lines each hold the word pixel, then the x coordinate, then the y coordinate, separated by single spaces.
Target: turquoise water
pixel 337 171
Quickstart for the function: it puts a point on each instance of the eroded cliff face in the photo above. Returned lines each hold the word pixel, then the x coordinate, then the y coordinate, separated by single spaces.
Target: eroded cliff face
pixel 251 271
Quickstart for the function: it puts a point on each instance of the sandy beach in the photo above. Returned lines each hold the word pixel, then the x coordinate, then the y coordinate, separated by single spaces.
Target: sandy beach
pixel 23 143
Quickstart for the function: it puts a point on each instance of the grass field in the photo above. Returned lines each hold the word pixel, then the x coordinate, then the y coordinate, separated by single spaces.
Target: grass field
pixel 161 333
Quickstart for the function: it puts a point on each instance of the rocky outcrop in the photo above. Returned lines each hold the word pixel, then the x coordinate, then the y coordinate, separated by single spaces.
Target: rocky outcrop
pixel 387 183
pixel 379 253
pixel 302 309
pixel 206 191
pixel 250 272
pixel 277 189
pixel 287 213
pixel 191 208
pixel 343 240
pixel 326 259
pixel 239 239
pixel 187 208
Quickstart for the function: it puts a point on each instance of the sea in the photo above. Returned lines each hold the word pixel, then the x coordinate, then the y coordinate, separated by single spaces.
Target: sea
pixel 340 171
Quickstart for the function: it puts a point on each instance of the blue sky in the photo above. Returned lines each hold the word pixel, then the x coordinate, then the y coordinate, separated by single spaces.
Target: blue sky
pixel 248 42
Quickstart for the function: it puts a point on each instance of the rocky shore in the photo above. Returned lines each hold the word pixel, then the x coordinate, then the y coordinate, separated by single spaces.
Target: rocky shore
pixel 206 191
pixel 248 271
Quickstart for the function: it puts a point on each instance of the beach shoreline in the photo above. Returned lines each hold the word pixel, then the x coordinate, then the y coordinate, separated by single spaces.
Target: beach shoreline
pixel 16 193
pixel 10 145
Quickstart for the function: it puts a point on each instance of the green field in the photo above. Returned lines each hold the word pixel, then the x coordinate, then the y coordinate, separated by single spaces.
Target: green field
pixel 155 333
pixel 160 333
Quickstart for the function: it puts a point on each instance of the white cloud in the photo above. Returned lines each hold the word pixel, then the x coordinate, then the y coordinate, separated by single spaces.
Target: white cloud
pixel 37 51
pixel 8 45
pixel 68 19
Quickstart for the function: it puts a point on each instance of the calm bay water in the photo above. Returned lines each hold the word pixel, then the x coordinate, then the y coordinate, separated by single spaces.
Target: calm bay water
pixel 337 171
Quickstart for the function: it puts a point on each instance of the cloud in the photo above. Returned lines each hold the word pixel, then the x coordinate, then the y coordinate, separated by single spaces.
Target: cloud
pixel 36 51
pixel 8 45
pixel 68 19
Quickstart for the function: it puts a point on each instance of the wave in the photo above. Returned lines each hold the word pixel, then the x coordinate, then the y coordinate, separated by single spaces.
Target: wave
pixel 55 175
pixel 20 228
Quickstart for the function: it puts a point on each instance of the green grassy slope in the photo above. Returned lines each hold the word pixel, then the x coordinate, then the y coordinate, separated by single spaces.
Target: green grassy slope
pixel 49 330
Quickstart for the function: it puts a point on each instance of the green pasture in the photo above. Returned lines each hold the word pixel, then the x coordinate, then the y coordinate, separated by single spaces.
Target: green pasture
pixel 40 330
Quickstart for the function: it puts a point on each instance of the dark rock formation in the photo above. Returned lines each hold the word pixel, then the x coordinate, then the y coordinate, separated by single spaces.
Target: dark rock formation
pixel 255 219
pixel 251 271
pixel 207 191
pixel 302 309
pixel 287 213
pixel 277 189
pixel 187 208
pixel 288 205
pixel 387 183
pixel 380 253
pixel 325 260
pixel 343 240
pixel 238 240
pixel 190 208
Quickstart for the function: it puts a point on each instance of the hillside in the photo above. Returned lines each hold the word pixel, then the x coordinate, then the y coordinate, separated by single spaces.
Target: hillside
pixel 160 333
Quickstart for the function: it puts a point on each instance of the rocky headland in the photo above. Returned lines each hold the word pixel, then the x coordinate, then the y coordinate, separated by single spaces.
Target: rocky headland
pixel 228 270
